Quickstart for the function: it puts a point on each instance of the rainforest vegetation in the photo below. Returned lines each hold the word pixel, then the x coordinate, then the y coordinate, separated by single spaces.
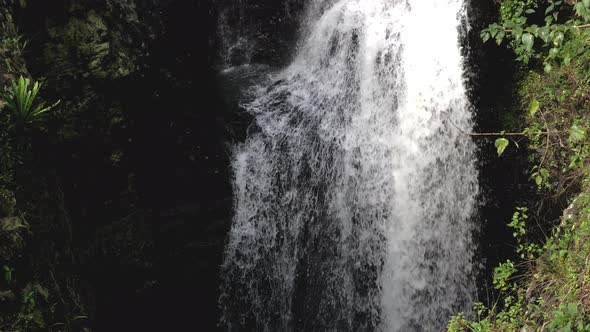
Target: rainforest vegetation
pixel 113 190
pixel 545 286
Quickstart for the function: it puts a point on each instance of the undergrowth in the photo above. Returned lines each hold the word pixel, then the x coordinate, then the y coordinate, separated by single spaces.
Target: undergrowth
pixel 547 288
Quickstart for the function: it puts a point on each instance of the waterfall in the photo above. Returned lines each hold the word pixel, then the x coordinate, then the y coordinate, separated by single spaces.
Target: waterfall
pixel 355 196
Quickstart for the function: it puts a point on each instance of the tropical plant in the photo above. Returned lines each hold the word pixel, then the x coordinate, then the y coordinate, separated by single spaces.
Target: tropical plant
pixel 24 101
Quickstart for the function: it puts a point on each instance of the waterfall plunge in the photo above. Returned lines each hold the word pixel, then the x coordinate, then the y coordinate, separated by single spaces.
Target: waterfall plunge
pixel 354 201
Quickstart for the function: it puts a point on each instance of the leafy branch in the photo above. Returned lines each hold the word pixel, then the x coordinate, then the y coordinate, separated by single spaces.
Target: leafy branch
pixel 552 40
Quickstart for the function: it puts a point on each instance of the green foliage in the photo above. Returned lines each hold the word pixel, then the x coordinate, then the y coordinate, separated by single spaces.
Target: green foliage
pixel 459 323
pixel 551 39
pixel 560 40
pixel 567 318
pixel 502 275
pixel 525 249
pixel 24 102
pixel 555 292
pixel 12 46
pixel 510 9
pixel 29 317
pixel 501 144
pixel 534 107
pixel 15 45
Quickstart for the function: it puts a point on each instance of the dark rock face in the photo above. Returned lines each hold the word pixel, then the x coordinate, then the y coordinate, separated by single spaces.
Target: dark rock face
pixel 504 181
pixel 7 203
pixel 101 41
pixel 257 31
pixel 135 162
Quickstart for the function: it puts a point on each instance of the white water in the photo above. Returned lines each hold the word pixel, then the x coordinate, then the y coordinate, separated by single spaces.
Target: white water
pixel 354 201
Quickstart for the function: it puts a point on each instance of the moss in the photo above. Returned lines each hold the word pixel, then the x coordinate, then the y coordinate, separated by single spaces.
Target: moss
pixel 563 97
pixel 12 234
pixel 7 203
pixel 35 292
pixel 11 47
pixel 87 46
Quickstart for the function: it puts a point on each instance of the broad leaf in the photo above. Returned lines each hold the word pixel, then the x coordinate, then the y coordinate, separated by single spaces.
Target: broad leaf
pixel 577 134
pixel 534 107
pixel 538 179
pixel 501 145
pixel 528 41
pixel 548 67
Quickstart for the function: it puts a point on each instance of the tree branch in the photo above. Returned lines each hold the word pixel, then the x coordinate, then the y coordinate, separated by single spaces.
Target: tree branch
pixel 582 26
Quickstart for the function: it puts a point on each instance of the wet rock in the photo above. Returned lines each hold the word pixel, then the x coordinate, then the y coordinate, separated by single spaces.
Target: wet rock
pixel 255 31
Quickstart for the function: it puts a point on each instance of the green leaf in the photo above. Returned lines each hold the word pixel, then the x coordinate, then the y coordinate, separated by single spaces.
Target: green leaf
pixel 549 20
pixel 24 101
pixel 544 34
pixel 544 173
pixel 581 8
pixel 501 145
pixel 528 41
pixel 538 179
pixel 548 67
pixel 576 161
pixel 500 37
pixel 517 32
pixel 485 36
pixel 533 29
pixel 558 39
pixel 530 11
pixel 586 3
pixel 577 134
pixel 534 107
pixel 572 309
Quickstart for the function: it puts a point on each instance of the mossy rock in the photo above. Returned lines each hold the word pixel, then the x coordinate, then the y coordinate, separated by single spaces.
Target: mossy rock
pixel 7 203
pixel 12 63
pixel 87 46
pixel 12 231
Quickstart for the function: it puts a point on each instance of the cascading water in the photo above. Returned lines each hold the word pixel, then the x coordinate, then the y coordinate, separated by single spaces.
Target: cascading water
pixel 354 201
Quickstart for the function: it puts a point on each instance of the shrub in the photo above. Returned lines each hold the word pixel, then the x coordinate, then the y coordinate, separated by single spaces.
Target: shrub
pixel 24 101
